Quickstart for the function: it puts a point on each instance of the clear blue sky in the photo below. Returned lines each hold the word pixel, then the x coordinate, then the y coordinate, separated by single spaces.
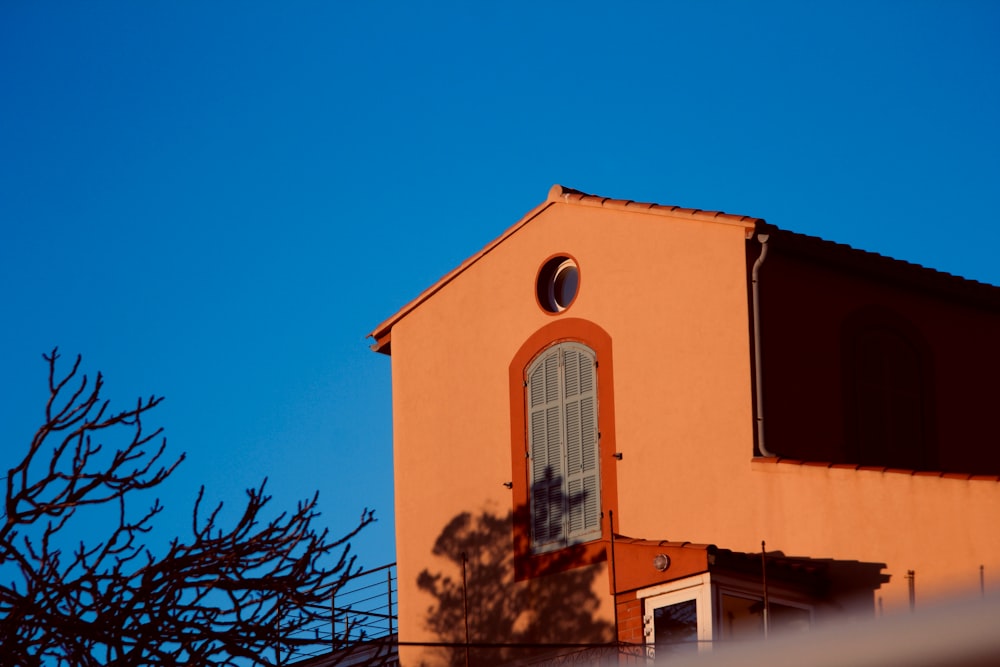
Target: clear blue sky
pixel 216 202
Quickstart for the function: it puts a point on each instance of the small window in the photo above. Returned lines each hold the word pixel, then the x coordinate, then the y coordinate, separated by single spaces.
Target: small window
pixel 675 628
pixel 558 283
pixel 742 617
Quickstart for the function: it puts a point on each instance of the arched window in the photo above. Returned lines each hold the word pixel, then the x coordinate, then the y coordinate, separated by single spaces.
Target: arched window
pixel 564 485
pixel 564 458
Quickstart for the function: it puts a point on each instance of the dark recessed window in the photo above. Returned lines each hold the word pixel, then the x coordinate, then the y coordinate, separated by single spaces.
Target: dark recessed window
pixel 888 399
pixel 558 283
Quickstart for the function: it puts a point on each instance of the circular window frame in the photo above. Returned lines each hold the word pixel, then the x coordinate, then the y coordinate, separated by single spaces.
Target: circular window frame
pixel 547 294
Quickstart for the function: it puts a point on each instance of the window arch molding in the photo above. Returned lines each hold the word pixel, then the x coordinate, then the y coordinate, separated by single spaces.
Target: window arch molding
pixel 565 330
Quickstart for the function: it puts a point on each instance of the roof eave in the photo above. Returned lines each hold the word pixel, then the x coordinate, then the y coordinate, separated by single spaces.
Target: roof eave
pixel 381 335
pixel 557 195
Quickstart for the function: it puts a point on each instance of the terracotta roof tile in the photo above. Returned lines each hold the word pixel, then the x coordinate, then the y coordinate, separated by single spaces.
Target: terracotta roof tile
pixel 893 270
pixel 559 193
pixel 793 461
pixel 764 459
pixel 624 539
pixel 882 469
pixel 635 569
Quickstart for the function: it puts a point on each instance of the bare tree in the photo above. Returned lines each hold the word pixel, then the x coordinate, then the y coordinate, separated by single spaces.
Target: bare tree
pixel 224 595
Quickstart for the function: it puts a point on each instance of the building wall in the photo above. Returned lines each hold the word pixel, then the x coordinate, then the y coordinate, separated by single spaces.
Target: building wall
pixel 677 321
pixel 671 292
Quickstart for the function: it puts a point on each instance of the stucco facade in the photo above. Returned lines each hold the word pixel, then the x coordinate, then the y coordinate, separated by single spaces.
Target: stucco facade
pixel 664 298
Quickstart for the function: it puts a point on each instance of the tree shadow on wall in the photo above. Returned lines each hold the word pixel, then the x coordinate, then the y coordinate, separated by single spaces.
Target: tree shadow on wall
pixel 507 621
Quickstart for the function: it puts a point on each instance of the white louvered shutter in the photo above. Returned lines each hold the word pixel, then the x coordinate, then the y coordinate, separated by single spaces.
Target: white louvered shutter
pixel 582 461
pixel 563 446
pixel 545 438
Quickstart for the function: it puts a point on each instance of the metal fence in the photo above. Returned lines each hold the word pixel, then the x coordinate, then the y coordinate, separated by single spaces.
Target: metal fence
pixel 365 609
pixel 362 621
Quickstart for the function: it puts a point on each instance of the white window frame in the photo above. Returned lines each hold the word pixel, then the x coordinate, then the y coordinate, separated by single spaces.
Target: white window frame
pixel 697 588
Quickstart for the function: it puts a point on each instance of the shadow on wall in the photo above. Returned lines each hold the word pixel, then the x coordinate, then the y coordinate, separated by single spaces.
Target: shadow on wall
pixel 507 621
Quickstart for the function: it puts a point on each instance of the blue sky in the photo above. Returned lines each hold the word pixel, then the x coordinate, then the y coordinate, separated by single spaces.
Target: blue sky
pixel 216 202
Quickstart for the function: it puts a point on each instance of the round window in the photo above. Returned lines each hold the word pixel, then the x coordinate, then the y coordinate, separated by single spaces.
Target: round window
pixel 558 282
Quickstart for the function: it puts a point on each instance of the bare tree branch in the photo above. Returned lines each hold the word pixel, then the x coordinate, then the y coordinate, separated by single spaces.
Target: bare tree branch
pixel 224 595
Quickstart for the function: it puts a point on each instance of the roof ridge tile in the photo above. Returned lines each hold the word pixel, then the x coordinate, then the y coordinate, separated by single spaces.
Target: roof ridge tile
pixel 561 194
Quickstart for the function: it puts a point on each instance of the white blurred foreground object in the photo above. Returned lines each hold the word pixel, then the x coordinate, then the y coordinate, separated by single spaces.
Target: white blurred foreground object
pixel 962 634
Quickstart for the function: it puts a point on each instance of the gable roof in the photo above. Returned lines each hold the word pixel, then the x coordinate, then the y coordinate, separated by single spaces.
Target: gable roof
pixel 382 334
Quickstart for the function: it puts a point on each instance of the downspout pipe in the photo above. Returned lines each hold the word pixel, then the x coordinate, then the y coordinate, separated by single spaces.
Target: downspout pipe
pixel 758 373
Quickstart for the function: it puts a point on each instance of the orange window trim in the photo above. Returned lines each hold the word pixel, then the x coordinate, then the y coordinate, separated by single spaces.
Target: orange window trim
pixel 527 564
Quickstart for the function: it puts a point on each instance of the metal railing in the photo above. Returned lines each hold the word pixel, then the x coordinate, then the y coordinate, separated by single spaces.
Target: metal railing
pixel 365 608
pixel 362 619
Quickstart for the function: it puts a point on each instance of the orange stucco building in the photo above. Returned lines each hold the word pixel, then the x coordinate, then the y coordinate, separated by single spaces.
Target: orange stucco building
pixel 600 417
